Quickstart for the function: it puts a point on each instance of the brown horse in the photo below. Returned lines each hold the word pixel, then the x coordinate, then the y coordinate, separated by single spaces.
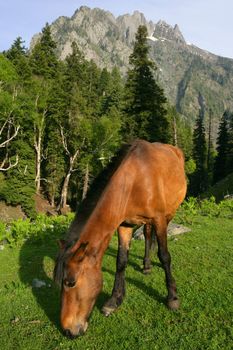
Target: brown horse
pixel 144 186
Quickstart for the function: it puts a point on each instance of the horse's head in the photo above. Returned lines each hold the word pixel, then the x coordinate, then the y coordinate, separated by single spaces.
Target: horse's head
pixel 79 275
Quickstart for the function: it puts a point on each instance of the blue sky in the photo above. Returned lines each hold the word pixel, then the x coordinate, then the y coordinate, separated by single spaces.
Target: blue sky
pixel 205 23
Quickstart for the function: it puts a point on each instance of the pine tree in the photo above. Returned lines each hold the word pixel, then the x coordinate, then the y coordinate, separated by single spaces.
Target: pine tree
pixel 76 66
pixel 17 54
pixel 90 90
pixel 112 96
pixel 220 166
pixel 43 59
pixel 54 166
pixel 210 150
pixel 68 127
pixel 199 181
pixel 230 145
pixel 145 113
pixel 17 49
pixel 104 81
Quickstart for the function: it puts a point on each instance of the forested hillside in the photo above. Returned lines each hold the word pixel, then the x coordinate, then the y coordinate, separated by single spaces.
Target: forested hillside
pixel 184 70
pixel 62 121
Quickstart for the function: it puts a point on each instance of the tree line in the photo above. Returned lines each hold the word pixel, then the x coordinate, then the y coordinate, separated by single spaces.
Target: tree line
pixel 62 121
pixel 211 164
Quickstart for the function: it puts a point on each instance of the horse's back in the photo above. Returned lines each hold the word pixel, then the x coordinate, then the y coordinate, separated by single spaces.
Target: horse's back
pixel 158 158
pixel 159 176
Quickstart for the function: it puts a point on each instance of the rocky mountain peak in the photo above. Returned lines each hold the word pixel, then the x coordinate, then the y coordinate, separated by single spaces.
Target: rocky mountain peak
pixel 166 31
pixel 183 70
pixel 178 34
pixel 128 25
pixel 139 16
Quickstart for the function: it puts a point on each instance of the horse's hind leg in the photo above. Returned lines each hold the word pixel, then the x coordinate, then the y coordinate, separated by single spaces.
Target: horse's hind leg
pixel 165 259
pixel 147 231
pixel 118 292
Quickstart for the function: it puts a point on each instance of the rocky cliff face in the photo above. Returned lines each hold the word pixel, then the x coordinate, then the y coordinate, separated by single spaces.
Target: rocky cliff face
pixel 184 71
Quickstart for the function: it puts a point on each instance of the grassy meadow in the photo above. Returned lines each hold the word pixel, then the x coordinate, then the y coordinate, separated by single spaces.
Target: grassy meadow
pixel 203 267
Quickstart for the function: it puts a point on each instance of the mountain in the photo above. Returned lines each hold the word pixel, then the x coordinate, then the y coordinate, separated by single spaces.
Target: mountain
pixel 185 71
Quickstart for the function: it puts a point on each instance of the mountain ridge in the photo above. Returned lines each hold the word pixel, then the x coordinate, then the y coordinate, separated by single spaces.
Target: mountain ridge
pixel 184 70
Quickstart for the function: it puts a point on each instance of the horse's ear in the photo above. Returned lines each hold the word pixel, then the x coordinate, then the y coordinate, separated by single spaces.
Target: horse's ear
pixel 61 243
pixel 80 252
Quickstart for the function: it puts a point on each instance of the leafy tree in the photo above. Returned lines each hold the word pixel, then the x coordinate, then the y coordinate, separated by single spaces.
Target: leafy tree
pixel 8 74
pixel 9 127
pixel 145 113
pixel 19 184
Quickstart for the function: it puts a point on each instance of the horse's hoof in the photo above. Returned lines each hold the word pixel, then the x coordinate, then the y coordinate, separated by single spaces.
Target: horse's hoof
pixel 107 310
pixel 173 304
pixel 146 271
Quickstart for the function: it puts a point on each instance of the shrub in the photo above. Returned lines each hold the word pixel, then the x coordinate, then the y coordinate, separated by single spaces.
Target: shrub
pixel 192 207
pixel 54 227
pixel 209 207
pixel 43 227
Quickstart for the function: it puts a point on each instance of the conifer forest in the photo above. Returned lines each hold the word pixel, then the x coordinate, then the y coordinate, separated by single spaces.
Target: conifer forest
pixel 61 122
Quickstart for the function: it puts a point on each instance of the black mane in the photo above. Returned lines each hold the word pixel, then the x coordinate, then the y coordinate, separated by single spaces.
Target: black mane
pixel 99 184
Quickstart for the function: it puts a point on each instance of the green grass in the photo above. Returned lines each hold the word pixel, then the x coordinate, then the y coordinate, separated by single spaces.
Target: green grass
pixel 203 267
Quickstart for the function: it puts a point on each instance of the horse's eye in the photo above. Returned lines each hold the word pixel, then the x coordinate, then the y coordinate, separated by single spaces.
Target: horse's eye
pixel 69 283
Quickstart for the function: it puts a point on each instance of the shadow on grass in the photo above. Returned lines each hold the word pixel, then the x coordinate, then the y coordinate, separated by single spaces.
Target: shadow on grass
pixel 137 267
pixel 32 265
pixel 151 292
pixel 31 262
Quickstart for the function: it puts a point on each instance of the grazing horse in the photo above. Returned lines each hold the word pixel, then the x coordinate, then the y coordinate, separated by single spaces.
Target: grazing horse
pixel 144 185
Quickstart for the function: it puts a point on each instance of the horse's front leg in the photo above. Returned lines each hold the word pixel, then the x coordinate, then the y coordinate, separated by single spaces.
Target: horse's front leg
pixel 118 292
pixel 165 259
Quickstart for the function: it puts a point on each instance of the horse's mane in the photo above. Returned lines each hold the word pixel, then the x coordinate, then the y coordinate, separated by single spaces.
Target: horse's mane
pixel 86 207
pixel 99 184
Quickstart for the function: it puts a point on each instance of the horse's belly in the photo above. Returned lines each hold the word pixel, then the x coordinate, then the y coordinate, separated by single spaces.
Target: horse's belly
pixel 138 220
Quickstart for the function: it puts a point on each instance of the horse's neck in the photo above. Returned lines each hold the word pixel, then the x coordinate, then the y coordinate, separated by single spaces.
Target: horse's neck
pixel 108 213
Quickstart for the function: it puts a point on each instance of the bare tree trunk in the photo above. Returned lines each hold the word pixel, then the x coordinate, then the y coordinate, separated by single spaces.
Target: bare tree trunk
pixel 52 201
pixel 37 145
pixel 72 159
pixel 64 192
pixel 38 130
pixel 86 182
pixel 6 164
pixel 175 131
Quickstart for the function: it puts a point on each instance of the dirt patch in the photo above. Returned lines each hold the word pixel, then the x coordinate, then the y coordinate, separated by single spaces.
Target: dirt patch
pixel 43 206
pixel 9 213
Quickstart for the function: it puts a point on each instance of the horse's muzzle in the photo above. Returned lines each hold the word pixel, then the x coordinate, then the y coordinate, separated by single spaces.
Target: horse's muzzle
pixel 79 331
pixel 69 335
